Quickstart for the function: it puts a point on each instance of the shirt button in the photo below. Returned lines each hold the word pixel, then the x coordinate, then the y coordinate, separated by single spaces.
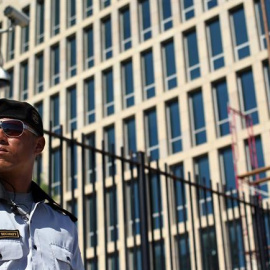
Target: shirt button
pixel 35 247
pixel 68 258
pixel 1 256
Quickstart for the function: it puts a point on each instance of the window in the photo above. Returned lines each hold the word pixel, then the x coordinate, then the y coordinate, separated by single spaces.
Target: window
pixel 239 34
pixel 165 14
pixel 237 250
pixel 159 255
pixel 107 50
pixel 127 84
pixel 170 75
pixel 148 74
pixel 89 48
pixel 25 33
pixel 130 136
pixel 108 92
pixel 55 65
pixel 24 81
pixel 145 20
pixel 125 29
pixel 112 214
pixel 113 259
pixel 267 81
pixel 260 22
pixel 72 167
pixel 71 57
pixel 40 19
pixel 109 138
pixel 39 71
pixel 174 127
pixel 247 95
pixel 179 193
pixel 72 109
pixel 71 13
pixel 156 201
pixel 91 220
pixel 55 17
pixel 208 4
pixel 227 172
pixel 11 45
pixel 202 175
pixel 221 100
pixel 87 8
pixel 56 172
pixel 39 107
pixel 183 251
pixel 133 207
pixel 10 89
pixel 214 40
pixel 209 248
pixel 151 134
pixel 92 264
pixel 135 258
pixel 91 173
pixel 255 159
pixel 89 88
pixel 198 128
pixel 192 55
pixel 188 9
pixel 105 3
pixel 55 114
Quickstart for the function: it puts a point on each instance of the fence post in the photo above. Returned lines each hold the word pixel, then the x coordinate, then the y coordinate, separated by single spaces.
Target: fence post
pixel 143 213
pixel 262 245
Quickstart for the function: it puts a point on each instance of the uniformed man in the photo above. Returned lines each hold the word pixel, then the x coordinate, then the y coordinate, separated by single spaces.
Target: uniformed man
pixel 35 232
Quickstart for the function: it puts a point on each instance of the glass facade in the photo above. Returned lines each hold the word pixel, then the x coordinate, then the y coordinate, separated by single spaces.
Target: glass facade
pixel 216 53
pixel 55 65
pixel 174 127
pixel 221 102
pixel 148 75
pixel 239 34
pixel 151 134
pixel 170 75
pixel 128 84
pixel 198 128
pixel 192 55
pixel 145 20
pixel 247 95
pixel 125 26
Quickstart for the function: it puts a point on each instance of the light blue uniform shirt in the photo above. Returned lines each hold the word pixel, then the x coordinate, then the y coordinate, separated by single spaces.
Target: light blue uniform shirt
pixel 46 239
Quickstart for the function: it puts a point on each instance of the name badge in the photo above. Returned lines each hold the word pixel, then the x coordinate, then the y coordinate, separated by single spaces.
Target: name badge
pixel 9 234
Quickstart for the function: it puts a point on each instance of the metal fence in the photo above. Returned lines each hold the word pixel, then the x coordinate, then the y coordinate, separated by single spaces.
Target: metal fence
pixel 162 220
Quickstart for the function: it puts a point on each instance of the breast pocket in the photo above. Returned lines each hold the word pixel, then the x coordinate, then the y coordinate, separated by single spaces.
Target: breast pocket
pixel 9 251
pixel 62 256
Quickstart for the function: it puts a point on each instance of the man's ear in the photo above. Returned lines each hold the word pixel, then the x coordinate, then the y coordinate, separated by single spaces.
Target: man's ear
pixel 40 143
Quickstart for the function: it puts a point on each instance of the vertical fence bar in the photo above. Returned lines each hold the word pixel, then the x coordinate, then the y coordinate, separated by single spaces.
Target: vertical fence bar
pixel 133 213
pixel 192 222
pixel 169 215
pixel 143 213
pixel 115 229
pixel 50 161
pixel 124 205
pixel 61 167
pixel 221 227
pixel 160 216
pixel 72 170
pixel 83 199
pixel 104 204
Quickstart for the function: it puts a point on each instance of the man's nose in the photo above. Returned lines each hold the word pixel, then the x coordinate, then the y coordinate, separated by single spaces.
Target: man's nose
pixel 3 136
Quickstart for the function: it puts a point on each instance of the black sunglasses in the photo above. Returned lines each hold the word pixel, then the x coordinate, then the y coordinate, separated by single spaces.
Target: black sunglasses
pixel 14 128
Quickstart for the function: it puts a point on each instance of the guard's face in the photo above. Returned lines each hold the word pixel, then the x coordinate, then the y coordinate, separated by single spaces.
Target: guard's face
pixel 17 154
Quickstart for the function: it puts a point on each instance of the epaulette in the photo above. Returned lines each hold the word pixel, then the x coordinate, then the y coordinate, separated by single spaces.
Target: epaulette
pixel 40 195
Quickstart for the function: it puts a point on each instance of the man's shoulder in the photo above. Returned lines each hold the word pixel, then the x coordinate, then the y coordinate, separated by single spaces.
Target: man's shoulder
pixel 39 195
